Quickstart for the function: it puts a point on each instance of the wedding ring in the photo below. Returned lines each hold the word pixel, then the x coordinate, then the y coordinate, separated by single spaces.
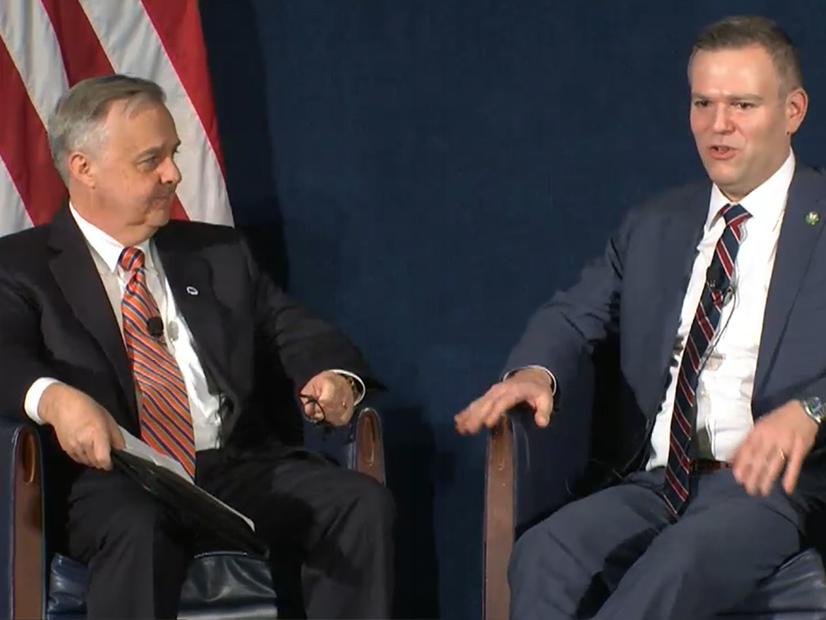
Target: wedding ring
pixel 782 455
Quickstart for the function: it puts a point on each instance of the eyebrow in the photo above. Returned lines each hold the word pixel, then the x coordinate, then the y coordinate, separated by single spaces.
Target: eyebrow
pixel 154 150
pixel 730 98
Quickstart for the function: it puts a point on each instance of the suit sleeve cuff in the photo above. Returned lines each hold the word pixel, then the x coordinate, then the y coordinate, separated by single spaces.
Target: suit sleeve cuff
pixel 510 373
pixel 33 395
pixel 358 386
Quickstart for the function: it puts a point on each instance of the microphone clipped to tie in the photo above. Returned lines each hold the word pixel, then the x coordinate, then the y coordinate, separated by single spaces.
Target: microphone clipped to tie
pixel 714 277
pixel 714 280
pixel 154 326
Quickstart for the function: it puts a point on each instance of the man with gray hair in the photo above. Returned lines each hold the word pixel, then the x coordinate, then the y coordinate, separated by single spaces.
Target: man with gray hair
pixel 112 316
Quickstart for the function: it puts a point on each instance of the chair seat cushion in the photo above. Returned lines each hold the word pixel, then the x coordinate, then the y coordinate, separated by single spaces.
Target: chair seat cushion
pixel 797 591
pixel 218 585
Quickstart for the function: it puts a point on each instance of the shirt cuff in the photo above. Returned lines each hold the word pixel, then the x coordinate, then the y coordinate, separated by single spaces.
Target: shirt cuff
pixel 32 400
pixel 359 386
pixel 510 373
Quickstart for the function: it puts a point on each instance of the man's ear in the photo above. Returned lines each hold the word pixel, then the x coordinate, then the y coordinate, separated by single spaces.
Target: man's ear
pixel 81 168
pixel 797 103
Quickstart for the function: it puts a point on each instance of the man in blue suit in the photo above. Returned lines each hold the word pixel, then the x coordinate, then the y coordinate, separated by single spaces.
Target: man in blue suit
pixel 717 294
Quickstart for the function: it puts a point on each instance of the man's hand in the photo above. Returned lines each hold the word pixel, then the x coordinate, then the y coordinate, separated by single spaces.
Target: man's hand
pixel 780 438
pixel 329 397
pixel 531 386
pixel 85 430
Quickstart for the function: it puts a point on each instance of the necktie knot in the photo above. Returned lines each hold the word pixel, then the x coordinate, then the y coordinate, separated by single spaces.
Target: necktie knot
pixel 734 214
pixel 131 259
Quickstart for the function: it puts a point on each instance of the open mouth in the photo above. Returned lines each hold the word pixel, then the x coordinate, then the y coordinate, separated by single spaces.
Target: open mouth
pixel 722 152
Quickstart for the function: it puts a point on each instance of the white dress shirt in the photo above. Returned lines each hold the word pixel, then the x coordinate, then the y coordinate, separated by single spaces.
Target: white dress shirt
pixel 724 391
pixel 204 405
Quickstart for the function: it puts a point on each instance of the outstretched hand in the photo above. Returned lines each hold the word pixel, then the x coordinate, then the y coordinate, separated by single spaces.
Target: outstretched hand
pixel 531 386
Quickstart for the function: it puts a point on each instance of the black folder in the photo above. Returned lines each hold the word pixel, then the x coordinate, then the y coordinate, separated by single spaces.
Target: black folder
pixel 191 500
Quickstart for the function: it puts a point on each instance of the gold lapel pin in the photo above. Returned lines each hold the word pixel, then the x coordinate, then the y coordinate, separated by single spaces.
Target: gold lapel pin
pixel 812 218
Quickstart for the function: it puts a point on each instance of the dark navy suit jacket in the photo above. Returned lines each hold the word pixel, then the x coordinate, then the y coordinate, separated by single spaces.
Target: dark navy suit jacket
pixel 256 345
pixel 635 291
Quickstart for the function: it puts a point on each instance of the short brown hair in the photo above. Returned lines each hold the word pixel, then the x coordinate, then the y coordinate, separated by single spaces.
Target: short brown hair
pixel 77 121
pixel 742 31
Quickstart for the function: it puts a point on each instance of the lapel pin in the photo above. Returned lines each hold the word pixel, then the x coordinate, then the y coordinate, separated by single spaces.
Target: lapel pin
pixel 812 218
pixel 194 291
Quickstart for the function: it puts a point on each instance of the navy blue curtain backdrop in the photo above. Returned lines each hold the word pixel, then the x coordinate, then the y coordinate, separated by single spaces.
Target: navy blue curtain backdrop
pixel 425 173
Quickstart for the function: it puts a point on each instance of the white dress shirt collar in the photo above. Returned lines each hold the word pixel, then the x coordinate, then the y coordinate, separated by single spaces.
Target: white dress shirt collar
pixel 765 203
pixel 106 247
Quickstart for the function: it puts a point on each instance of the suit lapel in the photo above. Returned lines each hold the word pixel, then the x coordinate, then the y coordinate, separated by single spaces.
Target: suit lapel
pixel 678 250
pixel 797 240
pixel 77 277
pixel 191 280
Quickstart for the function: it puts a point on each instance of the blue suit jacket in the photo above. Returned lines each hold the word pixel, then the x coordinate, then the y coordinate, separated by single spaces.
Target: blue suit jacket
pixel 635 291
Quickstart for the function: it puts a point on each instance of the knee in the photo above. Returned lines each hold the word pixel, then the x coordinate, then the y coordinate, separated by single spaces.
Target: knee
pixel 545 548
pixel 528 552
pixel 136 521
pixel 674 553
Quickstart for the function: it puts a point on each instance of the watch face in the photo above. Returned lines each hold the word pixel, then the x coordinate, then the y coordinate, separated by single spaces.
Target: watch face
pixel 816 407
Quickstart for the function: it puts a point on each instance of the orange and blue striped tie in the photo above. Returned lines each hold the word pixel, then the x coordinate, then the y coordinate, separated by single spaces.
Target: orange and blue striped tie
pixel 166 422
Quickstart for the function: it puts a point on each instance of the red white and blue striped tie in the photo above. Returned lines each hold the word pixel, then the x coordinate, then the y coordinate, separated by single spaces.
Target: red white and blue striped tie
pixel 166 422
pixel 706 322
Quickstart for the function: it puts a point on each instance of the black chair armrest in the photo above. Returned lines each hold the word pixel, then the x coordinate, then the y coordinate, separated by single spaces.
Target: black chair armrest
pixel 23 547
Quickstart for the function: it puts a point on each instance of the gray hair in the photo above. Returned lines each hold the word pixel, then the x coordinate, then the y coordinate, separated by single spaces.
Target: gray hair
pixel 77 122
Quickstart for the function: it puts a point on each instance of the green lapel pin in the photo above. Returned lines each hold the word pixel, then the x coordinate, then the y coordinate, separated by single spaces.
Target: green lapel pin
pixel 812 218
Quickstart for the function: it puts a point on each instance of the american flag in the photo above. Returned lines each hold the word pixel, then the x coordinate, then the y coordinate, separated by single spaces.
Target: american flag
pixel 46 46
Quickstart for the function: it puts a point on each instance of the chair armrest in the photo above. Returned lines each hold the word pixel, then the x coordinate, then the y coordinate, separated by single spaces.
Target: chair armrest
pixel 365 450
pixel 498 535
pixel 529 472
pixel 357 446
pixel 23 545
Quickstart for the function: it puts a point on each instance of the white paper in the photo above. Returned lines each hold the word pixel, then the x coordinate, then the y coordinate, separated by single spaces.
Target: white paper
pixel 136 447
pixel 142 449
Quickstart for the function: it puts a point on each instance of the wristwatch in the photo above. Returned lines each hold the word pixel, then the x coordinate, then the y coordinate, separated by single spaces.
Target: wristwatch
pixel 353 386
pixel 814 408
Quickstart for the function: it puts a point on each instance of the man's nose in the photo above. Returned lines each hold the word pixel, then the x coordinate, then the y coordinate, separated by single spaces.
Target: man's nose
pixel 722 119
pixel 171 173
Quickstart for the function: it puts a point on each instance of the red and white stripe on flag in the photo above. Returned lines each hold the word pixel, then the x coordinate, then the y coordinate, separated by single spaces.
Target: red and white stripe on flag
pixel 46 46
